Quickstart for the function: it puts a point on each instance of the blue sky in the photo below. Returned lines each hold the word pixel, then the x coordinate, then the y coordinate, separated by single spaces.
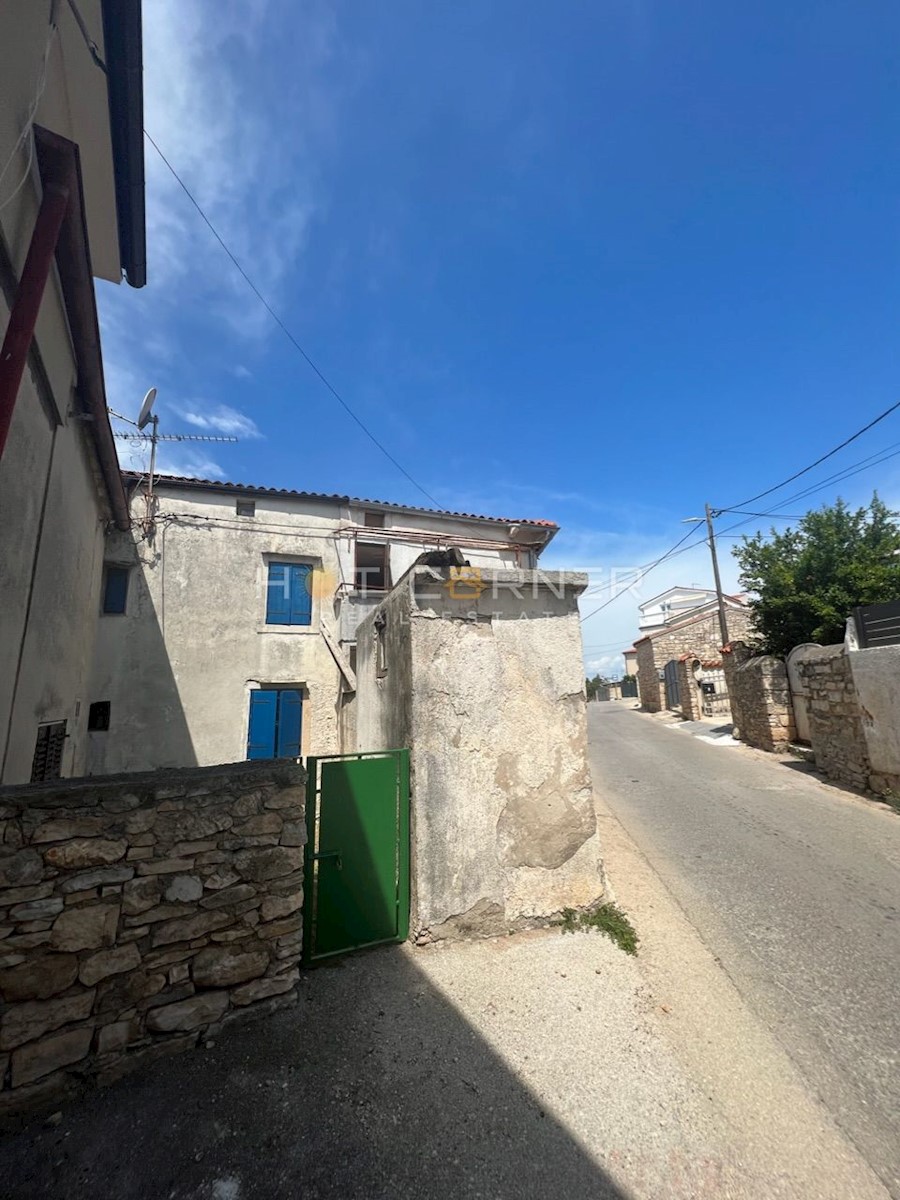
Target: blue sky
pixel 598 262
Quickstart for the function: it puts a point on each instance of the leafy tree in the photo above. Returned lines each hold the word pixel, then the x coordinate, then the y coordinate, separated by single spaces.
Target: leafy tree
pixel 806 581
pixel 593 686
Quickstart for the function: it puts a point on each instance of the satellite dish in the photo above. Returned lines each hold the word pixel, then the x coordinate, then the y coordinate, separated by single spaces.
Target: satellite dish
pixel 144 414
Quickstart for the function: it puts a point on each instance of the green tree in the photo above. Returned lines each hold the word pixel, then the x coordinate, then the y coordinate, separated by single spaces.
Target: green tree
pixel 592 686
pixel 805 581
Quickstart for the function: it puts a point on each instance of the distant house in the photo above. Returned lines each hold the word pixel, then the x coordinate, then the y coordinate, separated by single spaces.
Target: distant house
pixel 234 631
pixel 631 664
pixel 71 207
pixel 672 604
pixel 695 631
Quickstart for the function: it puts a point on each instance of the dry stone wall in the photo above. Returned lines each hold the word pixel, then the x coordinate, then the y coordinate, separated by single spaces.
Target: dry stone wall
pixel 140 913
pixel 835 722
pixel 760 698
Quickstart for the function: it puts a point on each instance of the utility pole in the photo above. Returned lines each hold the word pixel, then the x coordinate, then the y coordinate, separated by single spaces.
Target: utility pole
pixel 723 621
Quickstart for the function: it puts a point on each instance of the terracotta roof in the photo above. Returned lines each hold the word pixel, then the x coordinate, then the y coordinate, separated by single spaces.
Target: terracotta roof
pixel 249 489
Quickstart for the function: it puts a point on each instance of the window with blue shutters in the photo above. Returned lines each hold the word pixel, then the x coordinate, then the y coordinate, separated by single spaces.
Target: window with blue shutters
pixel 289 594
pixel 276 720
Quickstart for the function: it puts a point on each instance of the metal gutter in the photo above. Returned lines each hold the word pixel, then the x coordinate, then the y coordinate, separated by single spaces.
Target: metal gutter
pixel 123 47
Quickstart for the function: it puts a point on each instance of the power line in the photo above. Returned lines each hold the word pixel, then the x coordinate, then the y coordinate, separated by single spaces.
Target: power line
pixel 640 572
pixel 284 329
pixel 742 503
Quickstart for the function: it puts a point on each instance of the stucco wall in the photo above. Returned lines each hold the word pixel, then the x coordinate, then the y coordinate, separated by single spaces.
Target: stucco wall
pixel 139 914
pixel 876 678
pixel 488 693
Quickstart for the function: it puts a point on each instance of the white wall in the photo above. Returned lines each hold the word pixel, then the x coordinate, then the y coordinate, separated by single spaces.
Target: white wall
pixel 876 676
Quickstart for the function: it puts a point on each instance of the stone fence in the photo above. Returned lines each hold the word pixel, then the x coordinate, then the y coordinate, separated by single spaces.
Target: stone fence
pixel 835 720
pixel 140 913
pixel 760 698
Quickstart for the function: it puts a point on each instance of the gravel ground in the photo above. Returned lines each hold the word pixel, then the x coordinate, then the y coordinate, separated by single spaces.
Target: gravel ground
pixel 526 1066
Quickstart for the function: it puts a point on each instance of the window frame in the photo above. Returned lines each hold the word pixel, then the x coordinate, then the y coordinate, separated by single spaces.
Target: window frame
pixel 294 602
pixel 108 569
pixel 366 586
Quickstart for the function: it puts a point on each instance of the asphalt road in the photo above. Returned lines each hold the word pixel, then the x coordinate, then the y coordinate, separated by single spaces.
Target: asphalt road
pixel 794 886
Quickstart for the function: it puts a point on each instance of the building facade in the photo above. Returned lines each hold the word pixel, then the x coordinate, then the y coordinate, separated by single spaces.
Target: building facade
pixel 697 634
pixel 230 616
pixel 71 208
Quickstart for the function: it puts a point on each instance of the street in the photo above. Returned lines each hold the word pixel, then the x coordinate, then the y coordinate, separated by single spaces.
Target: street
pixel 794 887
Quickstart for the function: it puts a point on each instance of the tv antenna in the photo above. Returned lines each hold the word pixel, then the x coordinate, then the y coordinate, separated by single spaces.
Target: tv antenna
pixel 148 417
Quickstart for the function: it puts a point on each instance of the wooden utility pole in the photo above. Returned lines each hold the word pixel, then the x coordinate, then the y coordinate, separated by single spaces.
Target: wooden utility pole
pixel 723 621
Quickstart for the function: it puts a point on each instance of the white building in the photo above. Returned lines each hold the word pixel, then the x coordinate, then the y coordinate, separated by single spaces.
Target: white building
pixel 671 605
pixel 71 206
pixel 231 611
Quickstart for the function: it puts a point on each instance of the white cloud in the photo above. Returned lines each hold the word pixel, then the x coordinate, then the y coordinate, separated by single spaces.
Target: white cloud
pixel 223 420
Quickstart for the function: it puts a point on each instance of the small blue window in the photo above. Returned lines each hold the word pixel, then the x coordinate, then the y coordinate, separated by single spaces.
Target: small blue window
pixel 289 594
pixel 115 589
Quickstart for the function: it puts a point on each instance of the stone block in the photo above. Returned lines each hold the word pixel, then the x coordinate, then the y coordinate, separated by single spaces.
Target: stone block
pixel 141 894
pixel 26 1022
pixel 179 973
pixel 212 858
pixel 189 849
pixel 261 865
pixel 20 867
pixel 166 866
pixel 50 1054
pixel 85 928
pixel 93 879
pixel 20 895
pixel 123 803
pixel 37 910
pixel 280 906
pixel 121 992
pixel 192 825
pixel 82 897
pixel 220 966
pixel 38 979
pixel 185 888
pixel 221 879
pixel 280 928
pixel 85 852
pixel 229 895
pixel 113 1038
pixel 164 912
pixel 141 821
pixel 109 962
pixel 262 989
pixel 189 927
pixel 232 935
pixel 188 1014
pixel 269 822
pixel 293 833
pixel 289 797
pixel 139 854
pixel 62 829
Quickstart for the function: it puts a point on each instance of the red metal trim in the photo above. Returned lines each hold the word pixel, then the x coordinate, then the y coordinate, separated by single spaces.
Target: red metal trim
pixel 27 304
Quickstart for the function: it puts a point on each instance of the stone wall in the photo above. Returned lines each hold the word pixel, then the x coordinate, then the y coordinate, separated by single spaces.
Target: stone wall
pixel 836 729
pixel 140 913
pixel 699 637
pixel 760 698
pixel 689 692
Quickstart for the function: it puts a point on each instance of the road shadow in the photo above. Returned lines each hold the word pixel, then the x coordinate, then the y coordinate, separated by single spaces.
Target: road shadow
pixel 373 1085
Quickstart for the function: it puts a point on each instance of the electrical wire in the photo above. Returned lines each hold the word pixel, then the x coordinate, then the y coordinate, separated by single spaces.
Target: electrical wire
pixel 284 329
pixel 32 110
pixel 641 572
pixel 742 503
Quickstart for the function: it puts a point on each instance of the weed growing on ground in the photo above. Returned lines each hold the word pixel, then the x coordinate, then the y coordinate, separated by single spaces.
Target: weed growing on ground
pixel 605 918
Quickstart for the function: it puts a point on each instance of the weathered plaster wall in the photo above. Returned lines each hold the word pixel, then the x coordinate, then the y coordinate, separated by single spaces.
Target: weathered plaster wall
pixel 760 698
pixel 876 678
pixel 836 731
pixel 139 914
pixel 487 691
pixel 179 666
pixel 689 689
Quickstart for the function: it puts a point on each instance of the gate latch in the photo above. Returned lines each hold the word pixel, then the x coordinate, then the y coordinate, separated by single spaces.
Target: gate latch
pixel 335 854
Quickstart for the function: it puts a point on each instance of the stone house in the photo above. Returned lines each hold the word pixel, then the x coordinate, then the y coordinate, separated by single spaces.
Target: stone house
pixel 71 208
pixel 231 631
pixel 696 634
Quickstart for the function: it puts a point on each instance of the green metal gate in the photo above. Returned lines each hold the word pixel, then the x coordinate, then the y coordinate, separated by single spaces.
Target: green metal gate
pixel 356 872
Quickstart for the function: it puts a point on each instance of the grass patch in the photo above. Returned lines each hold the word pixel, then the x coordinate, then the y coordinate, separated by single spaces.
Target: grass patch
pixel 605 918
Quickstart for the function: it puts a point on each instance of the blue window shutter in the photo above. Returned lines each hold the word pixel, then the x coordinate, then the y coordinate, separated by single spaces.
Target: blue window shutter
pixel 278 595
pixel 301 595
pixel 263 712
pixel 290 712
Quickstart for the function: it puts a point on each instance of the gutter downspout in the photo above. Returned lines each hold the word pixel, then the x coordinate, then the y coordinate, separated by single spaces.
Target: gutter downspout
pixel 27 304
